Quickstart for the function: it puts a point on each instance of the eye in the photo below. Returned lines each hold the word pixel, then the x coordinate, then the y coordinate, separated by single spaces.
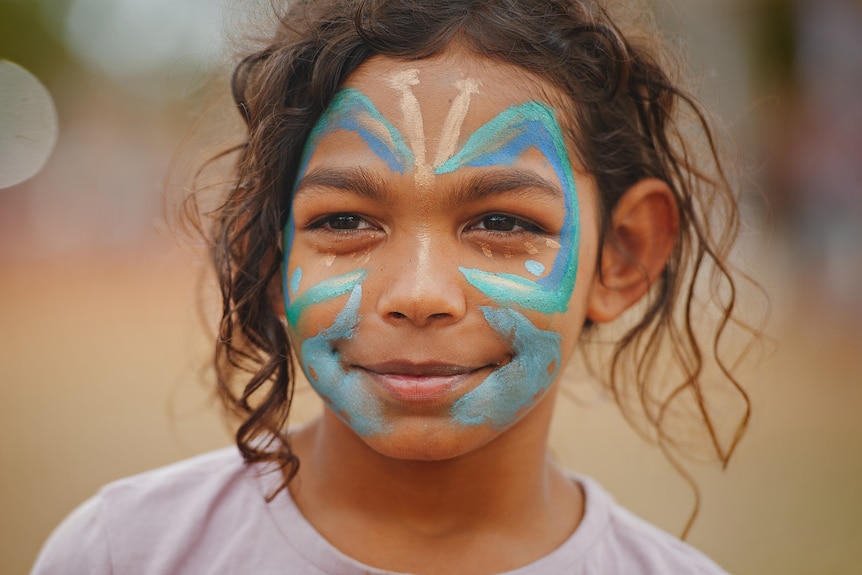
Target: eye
pixel 504 223
pixel 342 222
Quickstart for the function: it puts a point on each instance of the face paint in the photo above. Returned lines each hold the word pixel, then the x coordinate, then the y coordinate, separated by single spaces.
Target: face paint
pixel 352 111
pixel 455 119
pixel 534 267
pixel 536 357
pixel 342 390
pixel 294 281
pixel 500 142
pixel 325 290
pixel 402 82
pixel 508 390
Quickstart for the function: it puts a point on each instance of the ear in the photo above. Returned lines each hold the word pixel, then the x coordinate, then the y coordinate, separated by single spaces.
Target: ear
pixel 640 239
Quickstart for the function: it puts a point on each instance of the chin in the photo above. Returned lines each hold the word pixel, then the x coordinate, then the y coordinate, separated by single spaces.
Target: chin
pixel 430 441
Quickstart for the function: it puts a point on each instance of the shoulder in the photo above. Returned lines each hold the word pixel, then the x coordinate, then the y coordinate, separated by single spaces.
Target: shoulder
pixel 158 521
pixel 624 543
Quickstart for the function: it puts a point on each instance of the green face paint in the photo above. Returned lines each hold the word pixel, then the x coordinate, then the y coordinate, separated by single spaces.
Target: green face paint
pixel 324 291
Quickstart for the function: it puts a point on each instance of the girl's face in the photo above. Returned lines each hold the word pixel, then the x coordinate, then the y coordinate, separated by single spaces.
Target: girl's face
pixel 439 253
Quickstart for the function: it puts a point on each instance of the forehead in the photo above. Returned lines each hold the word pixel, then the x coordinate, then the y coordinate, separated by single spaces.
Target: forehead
pixel 438 83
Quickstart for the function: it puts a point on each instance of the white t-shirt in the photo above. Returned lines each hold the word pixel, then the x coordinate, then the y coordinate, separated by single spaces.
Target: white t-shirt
pixel 209 515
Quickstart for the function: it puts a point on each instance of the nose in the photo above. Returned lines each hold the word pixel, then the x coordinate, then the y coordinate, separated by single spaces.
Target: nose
pixel 422 285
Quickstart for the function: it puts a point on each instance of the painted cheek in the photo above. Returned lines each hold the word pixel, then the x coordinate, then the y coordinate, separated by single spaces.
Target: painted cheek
pixel 324 291
pixel 295 280
pixel 510 390
pixel 344 391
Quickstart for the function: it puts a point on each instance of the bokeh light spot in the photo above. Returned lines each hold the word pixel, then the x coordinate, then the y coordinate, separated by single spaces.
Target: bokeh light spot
pixel 28 124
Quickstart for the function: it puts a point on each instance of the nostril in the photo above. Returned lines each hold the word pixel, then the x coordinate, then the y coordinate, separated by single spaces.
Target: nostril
pixel 439 315
pixel 397 315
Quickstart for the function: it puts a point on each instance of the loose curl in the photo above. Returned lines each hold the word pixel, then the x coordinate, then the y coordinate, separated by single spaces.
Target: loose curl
pixel 624 118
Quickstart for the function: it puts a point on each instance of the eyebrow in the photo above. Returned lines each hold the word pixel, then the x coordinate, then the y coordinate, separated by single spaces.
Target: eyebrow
pixel 357 181
pixel 477 187
pixel 468 189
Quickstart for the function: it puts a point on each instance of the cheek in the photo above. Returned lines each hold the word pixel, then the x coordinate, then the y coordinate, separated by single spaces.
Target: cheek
pixel 306 288
pixel 510 391
pixel 343 390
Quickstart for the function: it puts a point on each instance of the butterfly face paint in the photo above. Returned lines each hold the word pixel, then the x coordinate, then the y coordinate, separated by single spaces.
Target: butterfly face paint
pixel 500 142
pixel 432 253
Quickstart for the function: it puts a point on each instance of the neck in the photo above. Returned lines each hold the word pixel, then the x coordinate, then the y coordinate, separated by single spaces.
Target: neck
pixel 502 478
pixel 503 504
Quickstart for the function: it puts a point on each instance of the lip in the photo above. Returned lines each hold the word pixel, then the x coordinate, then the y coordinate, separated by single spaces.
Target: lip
pixel 419 382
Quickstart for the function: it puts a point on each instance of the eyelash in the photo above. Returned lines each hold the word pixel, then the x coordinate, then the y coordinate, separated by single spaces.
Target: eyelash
pixel 527 227
pixel 325 223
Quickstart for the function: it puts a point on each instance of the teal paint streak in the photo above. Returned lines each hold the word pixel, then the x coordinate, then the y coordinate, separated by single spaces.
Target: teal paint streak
pixel 501 142
pixel 509 289
pixel 344 391
pixel 325 290
pixel 534 267
pixel 506 392
pixel 294 281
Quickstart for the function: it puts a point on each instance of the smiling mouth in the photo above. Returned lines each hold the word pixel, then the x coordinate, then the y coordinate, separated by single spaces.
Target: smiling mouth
pixel 420 383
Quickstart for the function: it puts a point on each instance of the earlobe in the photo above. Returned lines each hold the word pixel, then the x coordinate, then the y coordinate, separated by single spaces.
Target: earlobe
pixel 640 239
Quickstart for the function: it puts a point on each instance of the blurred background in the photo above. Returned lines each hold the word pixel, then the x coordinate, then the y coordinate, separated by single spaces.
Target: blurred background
pixel 103 312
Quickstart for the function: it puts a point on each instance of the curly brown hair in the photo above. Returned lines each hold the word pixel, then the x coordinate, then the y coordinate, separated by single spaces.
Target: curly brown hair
pixel 626 120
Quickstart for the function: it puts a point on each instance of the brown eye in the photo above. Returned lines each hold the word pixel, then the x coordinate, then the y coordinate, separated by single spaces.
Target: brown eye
pixel 499 223
pixel 504 223
pixel 345 222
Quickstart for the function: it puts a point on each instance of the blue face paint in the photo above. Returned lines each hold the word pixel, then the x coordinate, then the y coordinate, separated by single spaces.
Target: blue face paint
pixel 501 142
pixel 325 290
pixel 294 281
pixel 534 267
pixel 352 111
pixel 507 391
pixel 511 289
pixel 343 390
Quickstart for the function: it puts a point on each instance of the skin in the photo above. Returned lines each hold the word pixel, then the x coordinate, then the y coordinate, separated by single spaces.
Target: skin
pixel 394 279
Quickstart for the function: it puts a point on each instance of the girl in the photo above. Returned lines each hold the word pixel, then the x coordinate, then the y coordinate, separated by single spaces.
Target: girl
pixel 435 203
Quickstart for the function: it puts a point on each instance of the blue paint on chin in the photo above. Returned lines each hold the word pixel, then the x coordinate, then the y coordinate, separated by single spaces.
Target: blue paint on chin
pixel 509 390
pixel 344 391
